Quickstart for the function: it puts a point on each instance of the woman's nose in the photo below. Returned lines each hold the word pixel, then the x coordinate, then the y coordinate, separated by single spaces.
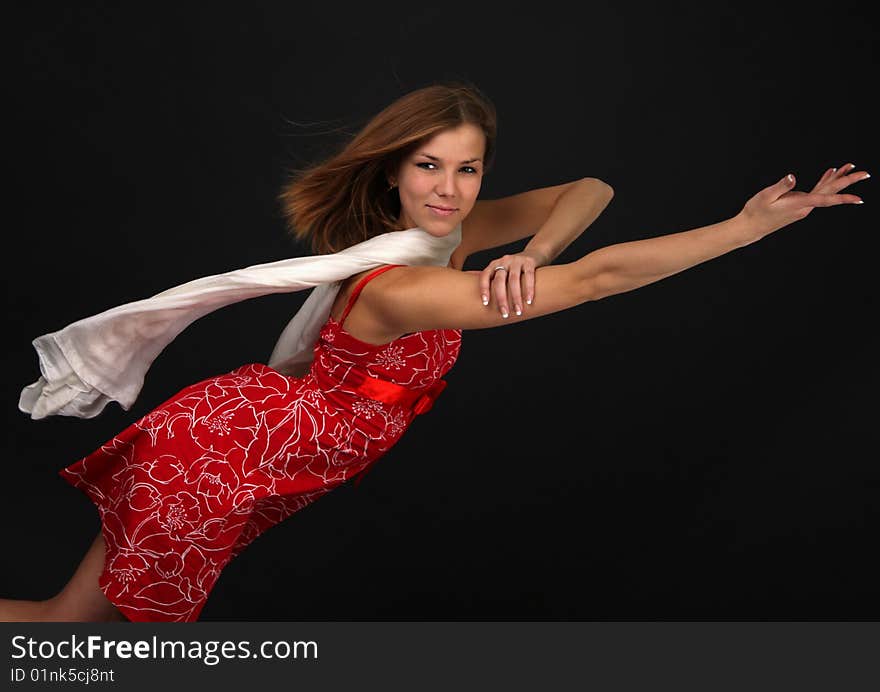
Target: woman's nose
pixel 446 186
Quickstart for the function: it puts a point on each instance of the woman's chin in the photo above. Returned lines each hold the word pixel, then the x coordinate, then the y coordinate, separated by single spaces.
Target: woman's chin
pixel 434 225
pixel 439 232
pixel 440 227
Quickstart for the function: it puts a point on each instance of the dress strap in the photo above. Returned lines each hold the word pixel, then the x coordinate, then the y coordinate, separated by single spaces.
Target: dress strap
pixel 363 282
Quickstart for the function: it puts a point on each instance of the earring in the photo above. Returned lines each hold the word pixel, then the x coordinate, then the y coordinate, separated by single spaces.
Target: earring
pixel 391 186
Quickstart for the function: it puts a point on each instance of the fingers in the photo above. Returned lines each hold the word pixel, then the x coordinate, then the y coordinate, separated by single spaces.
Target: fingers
pixel 494 281
pixel 821 199
pixel 825 178
pixel 504 283
pixel 776 191
pixel 499 290
pixel 504 279
pixel 844 169
pixel 833 173
pixel 529 275
pixel 838 183
pixel 832 181
pixel 837 173
pixel 839 179
pixel 514 285
pixel 485 278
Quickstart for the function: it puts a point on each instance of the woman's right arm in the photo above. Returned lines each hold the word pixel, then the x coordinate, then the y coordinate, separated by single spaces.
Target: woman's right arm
pixel 422 298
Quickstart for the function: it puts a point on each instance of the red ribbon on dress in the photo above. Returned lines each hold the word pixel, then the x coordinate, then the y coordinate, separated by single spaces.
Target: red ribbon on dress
pixel 395 394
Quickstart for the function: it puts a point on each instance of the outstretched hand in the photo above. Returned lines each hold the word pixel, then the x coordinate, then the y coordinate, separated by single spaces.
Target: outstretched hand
pixel 779 204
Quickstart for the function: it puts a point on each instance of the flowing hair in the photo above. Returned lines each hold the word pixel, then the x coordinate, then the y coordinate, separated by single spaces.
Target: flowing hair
pixel 345 199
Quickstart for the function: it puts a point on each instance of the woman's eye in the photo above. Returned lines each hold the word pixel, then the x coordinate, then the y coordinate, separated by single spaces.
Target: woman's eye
pixel 471 169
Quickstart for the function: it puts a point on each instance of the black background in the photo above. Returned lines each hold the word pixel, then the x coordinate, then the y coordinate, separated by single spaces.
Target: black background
pixel 701 448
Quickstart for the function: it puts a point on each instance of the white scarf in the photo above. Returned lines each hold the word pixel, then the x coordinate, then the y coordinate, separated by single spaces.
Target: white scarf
pixel 105 357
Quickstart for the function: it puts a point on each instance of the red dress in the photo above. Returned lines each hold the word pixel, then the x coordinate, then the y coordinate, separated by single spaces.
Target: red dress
pixel 186 488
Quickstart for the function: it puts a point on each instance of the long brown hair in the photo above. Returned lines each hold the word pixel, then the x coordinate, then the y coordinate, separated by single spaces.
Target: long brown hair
pixel 345 199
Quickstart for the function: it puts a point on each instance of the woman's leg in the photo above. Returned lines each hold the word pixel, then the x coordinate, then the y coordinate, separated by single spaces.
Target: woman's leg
pixel 81 600
pixel 21 611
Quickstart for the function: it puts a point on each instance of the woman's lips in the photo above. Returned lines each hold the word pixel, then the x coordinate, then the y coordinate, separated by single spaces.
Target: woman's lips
pixel 441 212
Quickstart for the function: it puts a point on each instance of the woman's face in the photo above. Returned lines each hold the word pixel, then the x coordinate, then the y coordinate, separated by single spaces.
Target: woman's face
pixel 444 172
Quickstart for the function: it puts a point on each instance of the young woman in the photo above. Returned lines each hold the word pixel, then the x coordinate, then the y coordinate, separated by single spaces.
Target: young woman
pixel 187 487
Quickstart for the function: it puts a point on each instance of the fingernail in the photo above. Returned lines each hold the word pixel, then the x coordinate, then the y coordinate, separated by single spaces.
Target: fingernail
pixel 835 170
pixel 504 314
pixel 790 178
pixel 485 300
pixel 518 310
pixel 529 301
pixel 867 175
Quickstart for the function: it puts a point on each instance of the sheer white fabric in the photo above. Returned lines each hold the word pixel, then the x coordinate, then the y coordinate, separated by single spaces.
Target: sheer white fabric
pixel 105 357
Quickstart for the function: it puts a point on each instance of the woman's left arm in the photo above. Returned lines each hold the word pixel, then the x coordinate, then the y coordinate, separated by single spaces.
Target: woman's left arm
pixel 574 211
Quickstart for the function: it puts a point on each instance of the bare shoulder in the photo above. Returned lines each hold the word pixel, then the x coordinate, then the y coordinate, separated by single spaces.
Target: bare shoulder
pixel 417 298
pixel 346 288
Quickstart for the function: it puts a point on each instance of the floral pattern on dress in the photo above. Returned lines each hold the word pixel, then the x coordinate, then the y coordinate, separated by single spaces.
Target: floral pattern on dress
pixel 391 356
pixel 184 489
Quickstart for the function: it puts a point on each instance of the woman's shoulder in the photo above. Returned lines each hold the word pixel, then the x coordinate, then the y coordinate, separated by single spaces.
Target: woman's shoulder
pixel 389 273
pixel 365 318
pixel 377 282
pixel 408 276
pixel 376 310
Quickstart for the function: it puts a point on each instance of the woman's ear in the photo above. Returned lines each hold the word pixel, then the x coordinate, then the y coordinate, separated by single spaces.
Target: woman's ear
pixel 390 174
